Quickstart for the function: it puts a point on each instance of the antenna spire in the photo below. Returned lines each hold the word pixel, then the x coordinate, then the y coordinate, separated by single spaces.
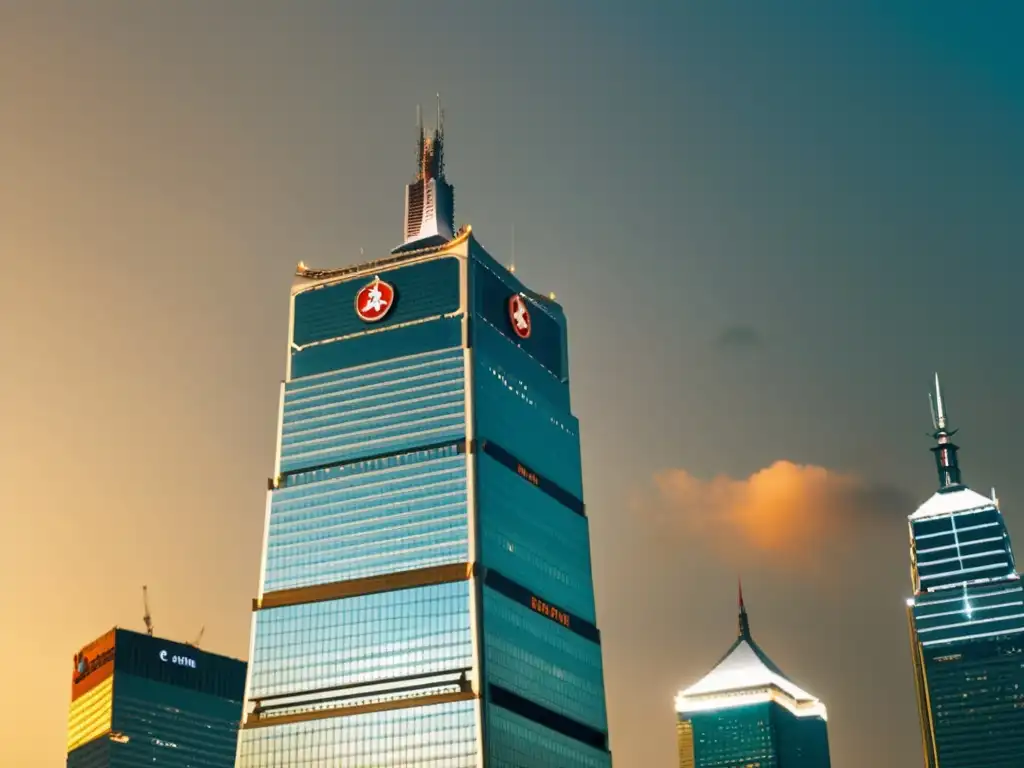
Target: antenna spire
pixel 945 450
pixel 744 620
pixel 512 268
pixel 419 139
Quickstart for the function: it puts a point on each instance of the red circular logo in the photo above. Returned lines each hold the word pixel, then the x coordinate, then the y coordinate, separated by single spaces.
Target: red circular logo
pixel 519 316
pixel 374 301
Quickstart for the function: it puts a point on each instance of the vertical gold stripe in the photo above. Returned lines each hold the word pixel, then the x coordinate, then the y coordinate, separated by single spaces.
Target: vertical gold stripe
pixel 924 710
pixel 684 739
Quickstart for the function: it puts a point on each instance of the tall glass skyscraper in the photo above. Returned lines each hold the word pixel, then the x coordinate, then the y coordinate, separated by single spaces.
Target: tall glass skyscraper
pixel 966 622
pixel 745 713
pixel 425 595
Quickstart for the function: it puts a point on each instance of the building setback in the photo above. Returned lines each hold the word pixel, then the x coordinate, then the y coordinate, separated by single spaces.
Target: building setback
pixel 140 700
pixel 745 713
pixel 425 596
pixel 966 622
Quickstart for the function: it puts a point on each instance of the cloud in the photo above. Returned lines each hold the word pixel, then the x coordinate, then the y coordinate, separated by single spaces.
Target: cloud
pixel 784 515
pixel 740 336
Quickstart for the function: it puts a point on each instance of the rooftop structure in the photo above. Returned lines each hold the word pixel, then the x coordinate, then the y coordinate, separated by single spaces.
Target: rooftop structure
pixel 965 618
pixel 747 711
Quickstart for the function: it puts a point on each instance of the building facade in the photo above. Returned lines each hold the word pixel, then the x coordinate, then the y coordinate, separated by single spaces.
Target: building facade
pixel 746 713
pixel 139 700
pixel 966 622
pixel 425 595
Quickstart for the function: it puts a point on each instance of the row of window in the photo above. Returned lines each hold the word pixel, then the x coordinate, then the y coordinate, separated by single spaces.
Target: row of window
pixel 420 737
pixel 409 514
pixel 542 661
pixel 516 742
pixel 533 540
pixel 393 379
pixel 370 411
pixel 545 441
pixel 360 639
pixel 175 736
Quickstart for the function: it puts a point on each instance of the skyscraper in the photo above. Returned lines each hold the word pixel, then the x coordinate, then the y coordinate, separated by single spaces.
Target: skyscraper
pixel 425 595
pixel 746 712
pixel 966 621
pixel 139 700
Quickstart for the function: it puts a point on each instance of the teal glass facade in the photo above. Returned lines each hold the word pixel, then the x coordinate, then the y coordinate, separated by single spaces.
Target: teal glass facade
pixel 966 620
pixel 763 735
pixel 967 632
pixel 170 705
pixel 426 594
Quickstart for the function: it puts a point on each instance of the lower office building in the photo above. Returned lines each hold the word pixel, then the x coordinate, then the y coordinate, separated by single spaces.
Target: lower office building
pixel 746 712
pixel 139 700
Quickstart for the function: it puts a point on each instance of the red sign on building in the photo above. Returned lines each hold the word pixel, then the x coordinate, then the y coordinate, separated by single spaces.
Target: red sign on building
pixel 519 316
pixel 374 301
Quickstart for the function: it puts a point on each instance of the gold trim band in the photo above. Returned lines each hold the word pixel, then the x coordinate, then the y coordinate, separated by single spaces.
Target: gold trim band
pixel 255 721
pixel 388 582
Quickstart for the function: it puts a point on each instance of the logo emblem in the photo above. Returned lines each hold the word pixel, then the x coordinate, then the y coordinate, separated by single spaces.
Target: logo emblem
pixel 519 315
pixel 373 302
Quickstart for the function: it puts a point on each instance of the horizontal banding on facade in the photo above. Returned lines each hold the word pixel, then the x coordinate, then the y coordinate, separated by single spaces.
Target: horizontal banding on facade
pixel 523 596
pixel 556 492
pixel 257 721
pixel 420 577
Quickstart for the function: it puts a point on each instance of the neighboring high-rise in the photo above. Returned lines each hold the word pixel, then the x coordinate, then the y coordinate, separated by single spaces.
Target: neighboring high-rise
pixel 139 700
pixel 746 712
pixel 966 621
pixel 425 596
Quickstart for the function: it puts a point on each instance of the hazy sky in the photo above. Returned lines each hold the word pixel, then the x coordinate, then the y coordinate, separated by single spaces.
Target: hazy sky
pixel 767 227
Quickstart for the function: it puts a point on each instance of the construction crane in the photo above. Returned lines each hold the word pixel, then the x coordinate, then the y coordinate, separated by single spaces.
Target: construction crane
pixel 149 620
pixel 146 617
pixel 195 643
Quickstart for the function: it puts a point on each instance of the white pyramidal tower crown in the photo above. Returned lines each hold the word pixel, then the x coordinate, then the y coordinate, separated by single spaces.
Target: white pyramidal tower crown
pixel 746 676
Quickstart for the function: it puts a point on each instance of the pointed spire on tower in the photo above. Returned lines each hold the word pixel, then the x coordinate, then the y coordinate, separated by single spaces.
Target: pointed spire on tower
pixel 429 199
pixel 945 450
pixel 419 137
pixel 744 621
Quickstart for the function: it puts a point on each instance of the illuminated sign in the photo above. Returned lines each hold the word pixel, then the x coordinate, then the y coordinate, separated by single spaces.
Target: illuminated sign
pixel 85 666
pixel 549 610
pixel 374 301
pixel 519 316
pixel 559 494
pixel 181 661
pixel 92 665
pixel 523 472
pixel 526 597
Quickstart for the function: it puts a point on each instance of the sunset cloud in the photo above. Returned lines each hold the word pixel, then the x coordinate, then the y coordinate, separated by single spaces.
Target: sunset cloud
pixel 785 514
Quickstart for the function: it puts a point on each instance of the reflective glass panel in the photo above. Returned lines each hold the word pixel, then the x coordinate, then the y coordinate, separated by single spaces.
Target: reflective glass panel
pixel 437 736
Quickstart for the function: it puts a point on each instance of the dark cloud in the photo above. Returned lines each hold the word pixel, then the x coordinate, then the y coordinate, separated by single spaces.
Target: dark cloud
pixel 740 337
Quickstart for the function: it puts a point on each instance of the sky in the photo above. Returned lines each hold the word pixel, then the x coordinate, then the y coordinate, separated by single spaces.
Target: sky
pixel 769 224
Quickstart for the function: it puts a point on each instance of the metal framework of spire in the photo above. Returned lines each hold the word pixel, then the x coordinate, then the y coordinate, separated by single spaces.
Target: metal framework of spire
pixel 744 621
pixel 945 450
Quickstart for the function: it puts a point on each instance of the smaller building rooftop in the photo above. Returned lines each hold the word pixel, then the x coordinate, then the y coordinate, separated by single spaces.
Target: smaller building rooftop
pixel 746 676
pixel 951 501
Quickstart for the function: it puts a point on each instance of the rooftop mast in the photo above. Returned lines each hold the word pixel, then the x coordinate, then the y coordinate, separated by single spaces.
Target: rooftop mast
pixel 945 450
pixel 744 620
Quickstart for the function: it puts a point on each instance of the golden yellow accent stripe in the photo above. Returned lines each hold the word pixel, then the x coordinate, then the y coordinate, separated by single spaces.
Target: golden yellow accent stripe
pixel 89 716
pixel 684 739
pixel 255 721
pixel 420 577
